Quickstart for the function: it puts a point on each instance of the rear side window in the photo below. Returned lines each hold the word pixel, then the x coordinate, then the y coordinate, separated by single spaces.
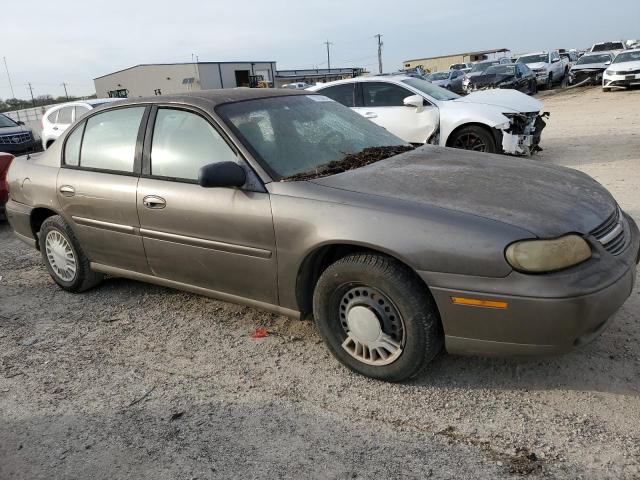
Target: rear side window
pixel 110 140
pixel 52 117
pixel 379 94
pixel 72 147
pixel 183 142
pixel 80 111
pixel 344 94
pixel 64 115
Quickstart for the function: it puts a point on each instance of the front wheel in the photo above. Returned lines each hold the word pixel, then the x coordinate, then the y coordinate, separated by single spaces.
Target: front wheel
pixel 376 317
pixel 64 258
pixel 474 138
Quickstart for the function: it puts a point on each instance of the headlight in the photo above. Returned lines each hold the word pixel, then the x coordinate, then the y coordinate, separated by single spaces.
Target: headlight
pixel 609 72
pixel 548 255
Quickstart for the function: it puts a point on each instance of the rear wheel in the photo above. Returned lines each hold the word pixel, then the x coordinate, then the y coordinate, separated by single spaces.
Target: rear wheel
pixel 550 81
pixel 605 89
pixel 376 317
pixel 474 137
pixel 64 258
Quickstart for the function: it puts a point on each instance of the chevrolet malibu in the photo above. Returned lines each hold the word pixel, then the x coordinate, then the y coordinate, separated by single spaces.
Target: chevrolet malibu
pixel 291 202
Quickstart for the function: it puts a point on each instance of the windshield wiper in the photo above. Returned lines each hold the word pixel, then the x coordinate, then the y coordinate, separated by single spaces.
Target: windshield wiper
pixel 351 161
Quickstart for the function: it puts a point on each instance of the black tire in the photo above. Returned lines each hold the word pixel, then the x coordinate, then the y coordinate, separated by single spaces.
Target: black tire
pixel 422 333
pixel 550 82
pixel 533 87
pixel 84 278
pixel 605 89
pixel 473 137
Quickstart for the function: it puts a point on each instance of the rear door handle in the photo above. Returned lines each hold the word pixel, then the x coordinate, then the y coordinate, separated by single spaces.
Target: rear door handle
pixel 370 115
pixel 153 201
pixel 67 190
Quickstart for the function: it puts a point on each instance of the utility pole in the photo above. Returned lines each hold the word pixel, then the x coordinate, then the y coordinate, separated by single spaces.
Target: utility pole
pixel 33 100
pixel 328 44
pixel 65 90
pixel 10 83
pixel 379 37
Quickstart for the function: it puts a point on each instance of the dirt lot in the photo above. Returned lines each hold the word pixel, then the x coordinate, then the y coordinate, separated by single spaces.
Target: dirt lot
pixel 137 381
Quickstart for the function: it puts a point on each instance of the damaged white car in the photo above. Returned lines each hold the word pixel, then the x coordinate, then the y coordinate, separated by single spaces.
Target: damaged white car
pixel 493 121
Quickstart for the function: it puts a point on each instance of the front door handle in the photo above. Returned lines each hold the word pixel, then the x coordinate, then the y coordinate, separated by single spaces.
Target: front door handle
pixel 370 115
pixel 67 190
pixel 153 201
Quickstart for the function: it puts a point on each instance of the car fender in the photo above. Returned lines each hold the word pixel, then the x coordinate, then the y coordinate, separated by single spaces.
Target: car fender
pixel 454 115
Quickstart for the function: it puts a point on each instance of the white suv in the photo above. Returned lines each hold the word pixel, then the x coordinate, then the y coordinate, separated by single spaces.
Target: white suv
pixel 58 118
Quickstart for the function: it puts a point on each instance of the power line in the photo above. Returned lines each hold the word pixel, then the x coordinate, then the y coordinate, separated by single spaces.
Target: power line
pixel 65 90
pixel 379 37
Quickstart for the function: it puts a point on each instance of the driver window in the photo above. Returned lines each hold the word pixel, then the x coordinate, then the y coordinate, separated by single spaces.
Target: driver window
pixel 380 94
pixel 183 142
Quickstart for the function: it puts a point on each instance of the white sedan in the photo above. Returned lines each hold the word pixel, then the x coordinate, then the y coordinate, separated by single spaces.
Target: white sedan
pixel 623 72
pixel 493 121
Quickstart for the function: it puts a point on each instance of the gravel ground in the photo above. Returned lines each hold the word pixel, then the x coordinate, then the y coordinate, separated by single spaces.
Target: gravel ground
pixel 137 381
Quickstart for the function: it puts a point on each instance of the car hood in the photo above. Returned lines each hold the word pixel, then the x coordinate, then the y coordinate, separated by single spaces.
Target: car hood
pixel 11 130
pixel 491 79
pixel 589 66
pixel 537 66
pixel 440 82
pixel 546 200
pixel 510 99
pixel 624 66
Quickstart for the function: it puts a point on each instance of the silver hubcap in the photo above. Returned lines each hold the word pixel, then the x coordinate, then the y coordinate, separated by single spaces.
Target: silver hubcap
pixel 60 256
pixel 374 328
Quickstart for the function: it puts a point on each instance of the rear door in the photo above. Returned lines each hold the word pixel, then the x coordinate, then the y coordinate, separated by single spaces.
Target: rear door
pixel 97 186
pixel 221 239
pixel 383 103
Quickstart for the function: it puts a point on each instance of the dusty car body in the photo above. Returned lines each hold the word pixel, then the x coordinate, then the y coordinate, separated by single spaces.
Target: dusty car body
pixel 494 121
pixel 624 71
pixel 516 76
pixel 384 252
pixel 589 68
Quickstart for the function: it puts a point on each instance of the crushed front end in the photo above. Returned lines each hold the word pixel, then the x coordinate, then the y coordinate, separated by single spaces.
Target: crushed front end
pixel 585 76
pixel 522 135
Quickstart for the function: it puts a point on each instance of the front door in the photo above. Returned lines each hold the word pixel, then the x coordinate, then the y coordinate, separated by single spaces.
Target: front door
pixel 96 187
pixel 221 239
pixel 383 103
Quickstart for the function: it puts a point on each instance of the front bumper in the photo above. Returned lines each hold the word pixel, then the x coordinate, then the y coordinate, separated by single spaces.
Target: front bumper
pixel 542 76
pixel 523 137
pixel 546 314
pixel 620 80
pixel 586 77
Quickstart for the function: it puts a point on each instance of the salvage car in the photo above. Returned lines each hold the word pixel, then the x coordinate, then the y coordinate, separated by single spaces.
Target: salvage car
pixel 479 68
pixel 290 202
pixel 15 137
pixel 624 71
pixel 549 67
pixel 589 68
pixel 449 79
pixel 516 76
pixel 5 161
pixel 492 121
pixel 59 117
pixel 614 47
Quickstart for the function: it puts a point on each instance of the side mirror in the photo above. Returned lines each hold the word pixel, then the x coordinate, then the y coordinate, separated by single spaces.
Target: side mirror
pixel 555 60
pixel 414 101
pixel 608 63
pixel 20 122
pixel 222 174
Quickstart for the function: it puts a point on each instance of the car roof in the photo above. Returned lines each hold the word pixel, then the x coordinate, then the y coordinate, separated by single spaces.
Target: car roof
pixel 534 53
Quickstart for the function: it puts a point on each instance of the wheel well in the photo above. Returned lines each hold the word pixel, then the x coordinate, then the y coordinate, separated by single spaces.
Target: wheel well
pixel 49 143
pixel 38 216
pixel 317 262
pixel 494 132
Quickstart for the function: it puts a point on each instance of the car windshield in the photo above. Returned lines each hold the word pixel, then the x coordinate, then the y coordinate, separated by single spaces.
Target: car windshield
pixel 481 67
pixel 538 58
pixel 438 76
pixel 501 70
pixel 434 91
pixel 628 57
pixel 295 134
pixel 603 47
pixel 6 122
pixel 587 59
pixel 458 66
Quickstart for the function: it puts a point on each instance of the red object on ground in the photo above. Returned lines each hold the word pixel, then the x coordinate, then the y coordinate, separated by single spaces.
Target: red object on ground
pixel 260 332
pixel 5 161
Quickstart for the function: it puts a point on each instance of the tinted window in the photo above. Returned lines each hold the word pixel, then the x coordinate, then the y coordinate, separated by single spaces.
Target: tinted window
pixel 110 139
pixel 183 142
pixel 80 111
pixel 72 147
pixel 343 94
pixel 64 115
pixel 378 94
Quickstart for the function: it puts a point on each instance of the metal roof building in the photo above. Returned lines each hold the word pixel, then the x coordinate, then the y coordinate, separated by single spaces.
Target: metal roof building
pixel 165 78
pixel 442 62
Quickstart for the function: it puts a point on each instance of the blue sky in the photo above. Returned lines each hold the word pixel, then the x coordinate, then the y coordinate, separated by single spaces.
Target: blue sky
pixel 73 41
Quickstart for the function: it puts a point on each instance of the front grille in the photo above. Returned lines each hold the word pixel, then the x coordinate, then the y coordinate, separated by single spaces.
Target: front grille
pixel 611 234
pixel 15 138
pixel 630 72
